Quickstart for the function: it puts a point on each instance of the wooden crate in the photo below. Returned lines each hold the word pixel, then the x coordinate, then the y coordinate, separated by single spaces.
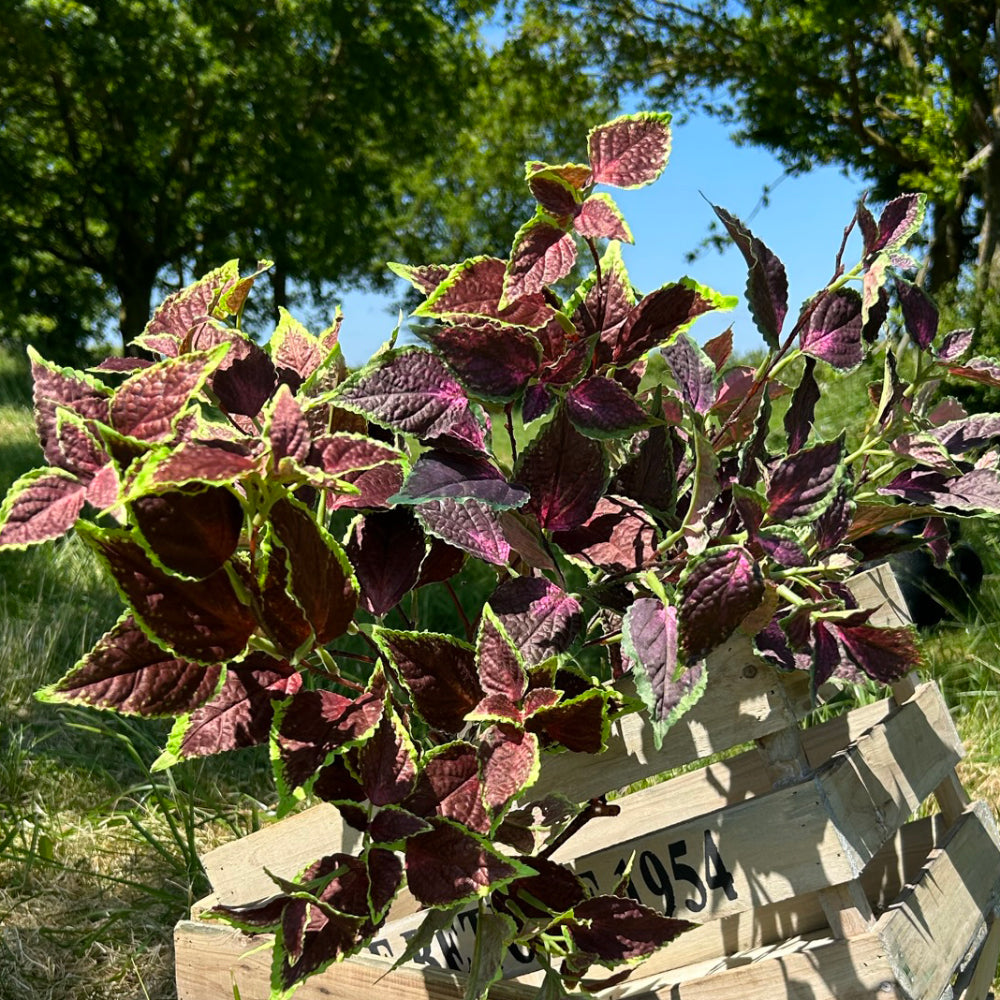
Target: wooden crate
pixel 836 892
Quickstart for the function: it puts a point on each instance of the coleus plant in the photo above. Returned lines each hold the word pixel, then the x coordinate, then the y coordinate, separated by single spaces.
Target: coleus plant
pixel 609 497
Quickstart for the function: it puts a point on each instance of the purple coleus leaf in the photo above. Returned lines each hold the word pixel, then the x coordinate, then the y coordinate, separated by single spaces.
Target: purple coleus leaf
pixel 630 151
pixel 440 474
pixel 540 618
pixel 833 330
pixel 450 785
pixel 619 537
pixel 717 590
pixel 657 316
pixel 202 463
pixel 148 405
pixel 472 291
pixel 767 282
pixel 130 674
pixel 975 431
pixel 468 525
pixel 580 724
pixel 244 384
pixel 955 345
pixel 565 473
pixel 423 277
pixel 286 428
pixel 191 532
pixel 899 220
pixel 801 413
pixel 56 388
pixel 804 482
pixel 557 194
pixel 509 763
pixel 314 725
pixel 920 315
pixel 985 371
pixel 542 253
pixel 498 661
pixel 494 362
pixel 599 407
pixel 40 506
pixel 885 654
pixel 412 391
pixel 975 491
pixel 387 763
pixel 320 577
pixel 782 545
pixel 617 929
pixel 647 477
pixel 693 371
pixel 651 642
pixel 239 714
pixel 599 218
pixel 386 548
pixel 440 673
pixel 80 453
pixel 293 347
pixel 447 865
pixel 201 620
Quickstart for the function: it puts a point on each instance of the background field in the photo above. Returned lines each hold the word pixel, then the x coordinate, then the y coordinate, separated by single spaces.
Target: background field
pixel 99 857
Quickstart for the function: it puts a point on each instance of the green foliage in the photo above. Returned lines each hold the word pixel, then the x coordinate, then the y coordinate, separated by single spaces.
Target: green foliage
pixel 140 140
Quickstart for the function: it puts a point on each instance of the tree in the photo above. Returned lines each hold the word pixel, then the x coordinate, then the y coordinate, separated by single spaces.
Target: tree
pixel 142 140
pixel 904 92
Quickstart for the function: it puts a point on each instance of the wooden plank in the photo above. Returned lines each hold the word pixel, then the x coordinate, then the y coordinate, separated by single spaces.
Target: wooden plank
pixel 927 931
pixel 878 588
pixel 983 968
pixel 210 959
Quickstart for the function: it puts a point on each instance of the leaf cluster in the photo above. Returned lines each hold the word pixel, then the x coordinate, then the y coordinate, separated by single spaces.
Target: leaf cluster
pixel 270 520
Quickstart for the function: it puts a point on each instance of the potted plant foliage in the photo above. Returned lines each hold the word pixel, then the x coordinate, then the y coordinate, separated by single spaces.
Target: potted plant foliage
pixel 419 578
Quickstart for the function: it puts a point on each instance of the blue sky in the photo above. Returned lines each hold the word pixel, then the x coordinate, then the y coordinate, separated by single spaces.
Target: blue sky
pixel 803 224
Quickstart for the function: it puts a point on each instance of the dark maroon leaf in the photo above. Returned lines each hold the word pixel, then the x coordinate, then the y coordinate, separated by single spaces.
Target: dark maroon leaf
pixel 554 193
pixel 56 387
pixel 202 620
pixel 800 415
pixel 287 430
pixel 650 640
pixel 541 619
pixel 782 545
pixel 468 525
pixel 630 151
pixel 316 724
pixel 720 348
pixel 599 218
pixel 975 491
pixel 885 654
pixel 342 453
pixel 127 672
pixel 196 462
pixel 616 929
pixel 600 408
pixel 450 785
pixel 542 253
pixel 191 532
pixel 537 400
pixel 438 671
pixel 717 591
pixel 874 312
pixel 440 474
pixel 40 506
pixel 441 563
pixel 424 278
pixel 899 220
pixel 767 283
pixel 832 526
pixel 555 886
pixel 619 537
pixel 982 370
pixel 387 763
pixel 833 330
pixel 975 431
pixel 473 291
pixel 336 782
pixel 321 578
pixel 920 315
pixel 656 317
pixel 867 225
pixel 447 864
pixel 495 362
pixel 955 345
pixel 245 384
pixel 579 724
pixel 498 662
pixel 393 825
pixel 509 763
pixel 148 404
pixel 693 371
pixel 412 391
pixel 804 482
pixel 647 477
pixel 387 549
pixel 240 713
pixel 565 474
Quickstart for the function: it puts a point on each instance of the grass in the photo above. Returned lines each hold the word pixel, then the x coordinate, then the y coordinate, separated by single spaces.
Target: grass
pixel 99 856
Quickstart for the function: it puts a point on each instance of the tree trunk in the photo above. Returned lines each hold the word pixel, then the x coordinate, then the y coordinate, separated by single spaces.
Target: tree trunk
pixel 949 242
pixel 988 262
pixel 135 293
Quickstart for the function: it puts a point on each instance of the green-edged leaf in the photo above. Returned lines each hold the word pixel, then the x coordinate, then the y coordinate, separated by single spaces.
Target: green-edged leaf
pixel 599 218
pixel 543 252
pixel 293 347
pixel 630 151
pixel 40 506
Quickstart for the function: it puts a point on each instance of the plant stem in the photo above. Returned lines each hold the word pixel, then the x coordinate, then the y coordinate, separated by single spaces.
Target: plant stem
pixel 595 807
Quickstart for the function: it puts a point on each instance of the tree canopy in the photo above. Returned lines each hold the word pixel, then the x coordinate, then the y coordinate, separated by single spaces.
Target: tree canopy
pixel 143 140
pixel 903 92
